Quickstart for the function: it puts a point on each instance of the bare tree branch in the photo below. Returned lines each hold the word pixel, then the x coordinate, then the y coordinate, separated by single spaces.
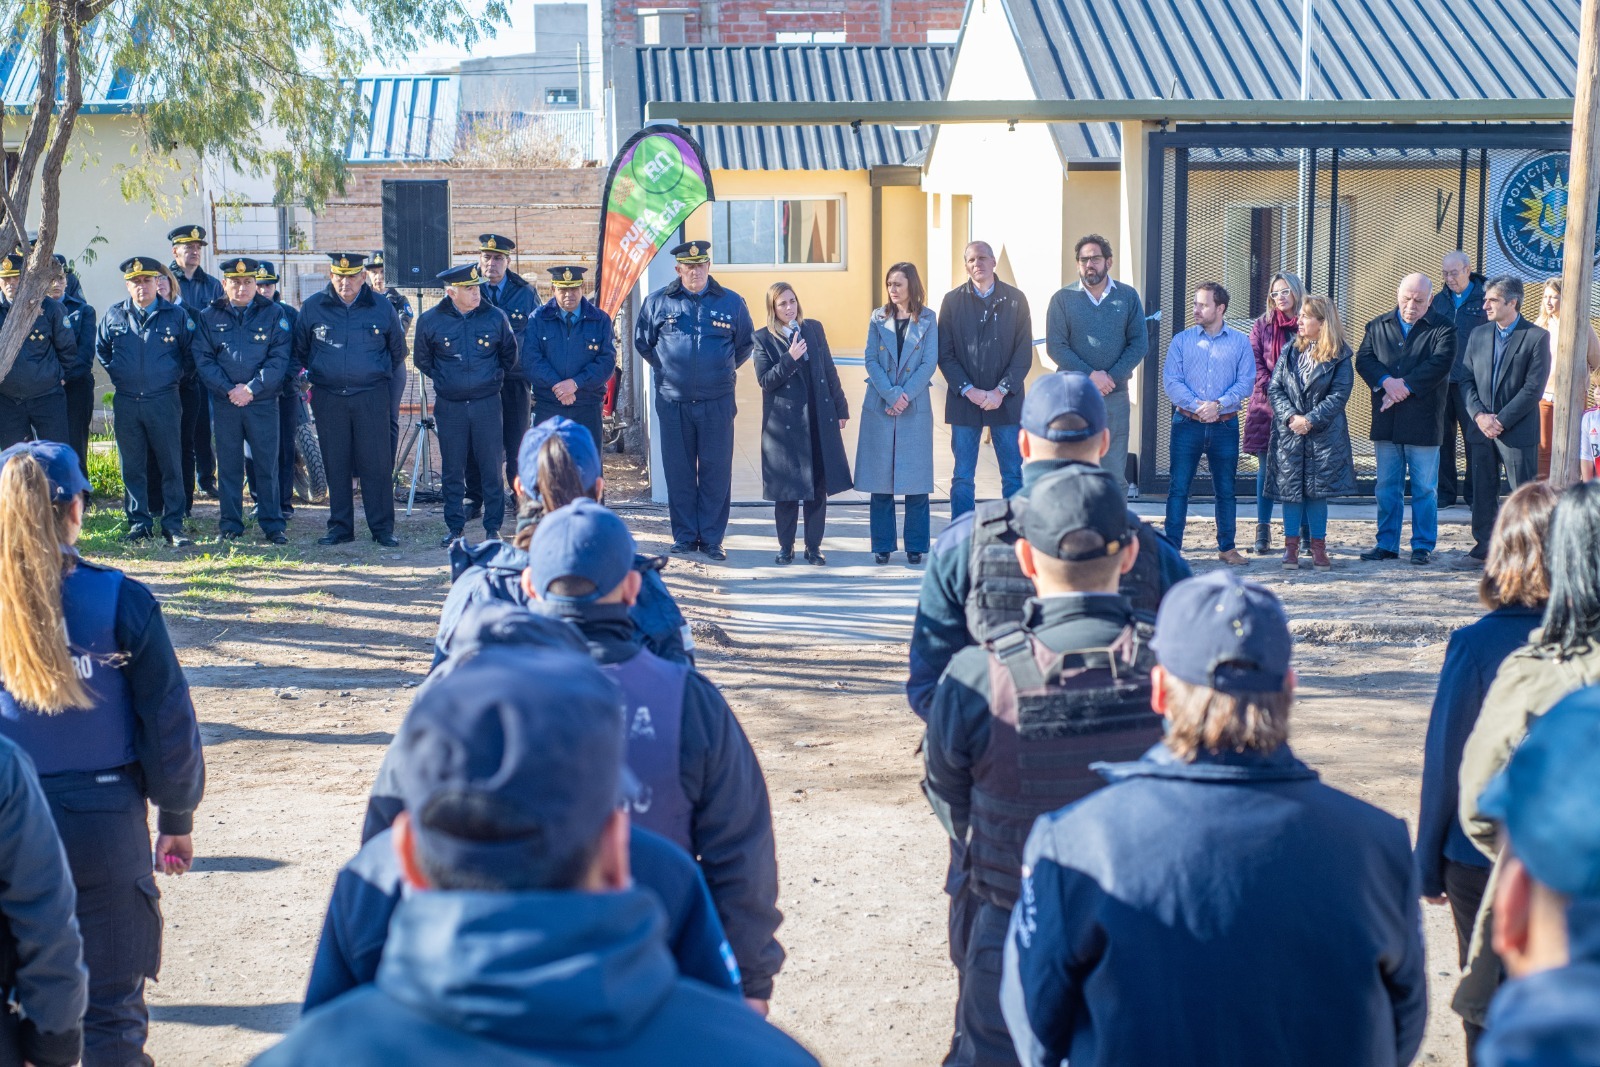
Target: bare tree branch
pixel 43 108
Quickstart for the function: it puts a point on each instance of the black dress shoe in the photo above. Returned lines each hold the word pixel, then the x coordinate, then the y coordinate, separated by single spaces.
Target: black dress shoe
pixel 449 539
pixel 277 537
pixel 1421 557
pixel 138 533
pixel 228 535
pixel 1375 555
pixel 683 548
pixel 715 552
pixel 913 558
pixel 387 540
pixel 177 540
pixel 881 558
pixel 815 557
pixel 784 557
pixel 336 539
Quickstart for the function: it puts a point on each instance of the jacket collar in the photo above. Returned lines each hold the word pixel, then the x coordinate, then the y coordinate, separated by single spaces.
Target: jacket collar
pixel 675 288
pixel 364 298
pixel 1041 613
pixel 586 310
pixel 1035 469
pixel 608 628
pixel 1279 766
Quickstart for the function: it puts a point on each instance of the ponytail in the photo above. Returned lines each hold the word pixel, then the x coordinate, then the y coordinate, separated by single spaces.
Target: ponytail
pixel 559 483
pixel 35 662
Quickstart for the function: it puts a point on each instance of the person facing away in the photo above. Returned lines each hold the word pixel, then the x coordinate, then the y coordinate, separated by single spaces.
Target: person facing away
pixel 1215 905
pixel 91 690
pixel 985 353
pixel 1406 358
pixel 1096 327
pixel 524 940
pixel 894 444
pixel 1016 723
pixel 701 784
pixel 1547 901
pixel 803 412
pixel 1208 375
pixel 1502 376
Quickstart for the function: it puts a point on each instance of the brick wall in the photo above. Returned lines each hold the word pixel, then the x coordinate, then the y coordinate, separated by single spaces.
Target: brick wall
pixel 551 214
pixel 747 22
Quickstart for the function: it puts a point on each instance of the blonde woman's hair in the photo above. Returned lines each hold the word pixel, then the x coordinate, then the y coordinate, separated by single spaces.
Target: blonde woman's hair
pixel 774 291
pixel 1330 343
pixel 35 662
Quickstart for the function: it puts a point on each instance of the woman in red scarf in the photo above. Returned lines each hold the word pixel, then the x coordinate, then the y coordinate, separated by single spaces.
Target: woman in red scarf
pixel 1268 334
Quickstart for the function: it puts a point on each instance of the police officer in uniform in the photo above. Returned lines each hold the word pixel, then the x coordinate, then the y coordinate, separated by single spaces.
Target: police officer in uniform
pixel 79 387
pixel 350 341
pixel 696 335
pixel 512 294
pixel 466 347
pixel 571 353
pixel 144 343
pixel 33 401
pixel 973 587
pixel 241 356
pixel 701 785
pixel 402 307
pixel 106 716
pixel 288 400
pixel 199 290
pixel 1016 723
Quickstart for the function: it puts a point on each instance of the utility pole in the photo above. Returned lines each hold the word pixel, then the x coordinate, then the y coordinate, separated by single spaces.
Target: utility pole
pixel 1577 273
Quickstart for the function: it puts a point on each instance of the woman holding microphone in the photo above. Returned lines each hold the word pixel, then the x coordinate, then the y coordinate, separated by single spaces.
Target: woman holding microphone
pixel 91 689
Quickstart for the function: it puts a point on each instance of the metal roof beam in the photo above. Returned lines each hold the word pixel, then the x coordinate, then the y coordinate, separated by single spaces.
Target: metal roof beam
pixel 947 112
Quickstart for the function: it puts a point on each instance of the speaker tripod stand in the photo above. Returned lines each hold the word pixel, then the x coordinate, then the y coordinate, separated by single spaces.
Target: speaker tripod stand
pixel 416 446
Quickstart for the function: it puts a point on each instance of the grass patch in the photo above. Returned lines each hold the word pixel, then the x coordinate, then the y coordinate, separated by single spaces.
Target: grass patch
pixel 105 472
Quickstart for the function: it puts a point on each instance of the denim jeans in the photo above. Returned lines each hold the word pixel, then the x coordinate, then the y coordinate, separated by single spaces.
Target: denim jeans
pixel 1423 463
pixel 881 518
pixel 1312 512
pixel 1219 443
pixel 1263 501
pixel 964 442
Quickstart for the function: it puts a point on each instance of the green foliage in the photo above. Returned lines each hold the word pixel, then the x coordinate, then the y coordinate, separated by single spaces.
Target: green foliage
pixel 105 473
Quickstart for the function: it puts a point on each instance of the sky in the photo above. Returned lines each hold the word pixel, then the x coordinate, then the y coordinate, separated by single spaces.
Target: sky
pixel 509 40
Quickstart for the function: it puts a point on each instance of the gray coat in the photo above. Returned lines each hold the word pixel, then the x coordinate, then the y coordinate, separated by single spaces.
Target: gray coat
pixel 894 453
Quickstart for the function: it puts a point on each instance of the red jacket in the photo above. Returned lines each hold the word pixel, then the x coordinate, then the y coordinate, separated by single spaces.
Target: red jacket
pixel 1267 338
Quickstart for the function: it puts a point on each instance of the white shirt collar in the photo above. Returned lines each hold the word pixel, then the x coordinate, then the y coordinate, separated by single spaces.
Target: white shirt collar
pixel 1111 283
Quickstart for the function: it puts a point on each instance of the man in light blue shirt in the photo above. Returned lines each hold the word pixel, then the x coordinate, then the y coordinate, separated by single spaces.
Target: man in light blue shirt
pixel 1208 376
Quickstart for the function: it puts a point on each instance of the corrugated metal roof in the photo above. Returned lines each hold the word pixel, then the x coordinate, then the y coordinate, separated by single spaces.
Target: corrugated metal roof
pixel 1250 50
pixel 410 117
pixel 789 73
pixel 107 88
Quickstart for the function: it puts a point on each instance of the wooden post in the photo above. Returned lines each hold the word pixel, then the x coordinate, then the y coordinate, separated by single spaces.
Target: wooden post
pixel 1577 275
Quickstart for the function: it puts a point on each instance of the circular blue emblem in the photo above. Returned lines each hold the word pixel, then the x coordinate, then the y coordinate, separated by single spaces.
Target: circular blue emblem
pixel 1530 218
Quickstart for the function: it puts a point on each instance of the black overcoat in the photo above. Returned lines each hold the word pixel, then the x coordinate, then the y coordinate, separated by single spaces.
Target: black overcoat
pixel 1317 465
pixel 788 420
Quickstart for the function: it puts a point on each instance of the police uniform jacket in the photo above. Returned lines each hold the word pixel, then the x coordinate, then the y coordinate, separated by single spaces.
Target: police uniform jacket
pixel 293 373
pixel 349 349
pixel 467 356
pixel 401 304
pixel 1285 910
pixel 695 342
pixel 369 888
pixel 200 291
pixel 243 345
pixel 941 630
pixel 49 353
pixel 519 300
pixel 586 353
pixel 81 317
pixel 149 359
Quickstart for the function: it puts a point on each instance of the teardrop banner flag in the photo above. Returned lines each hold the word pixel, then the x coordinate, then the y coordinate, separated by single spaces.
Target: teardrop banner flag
pixel 657 180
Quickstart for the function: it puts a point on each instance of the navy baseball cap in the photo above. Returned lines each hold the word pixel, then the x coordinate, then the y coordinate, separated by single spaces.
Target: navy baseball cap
pixel 60 465
pixel 1225 634
pixel 513 762
pixel 1059 396
pixel 580 445
pixel 582 540
pixel 1548 796
pixel 1075 499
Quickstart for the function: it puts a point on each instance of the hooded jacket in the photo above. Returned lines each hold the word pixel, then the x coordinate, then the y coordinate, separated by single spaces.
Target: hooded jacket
pixel 49 353
pixel 1281 914
pixel 533 978
pixel 1317 465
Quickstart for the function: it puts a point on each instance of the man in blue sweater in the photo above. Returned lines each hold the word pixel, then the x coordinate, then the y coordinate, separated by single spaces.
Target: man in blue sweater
pixel 1096 327
pixel 524 940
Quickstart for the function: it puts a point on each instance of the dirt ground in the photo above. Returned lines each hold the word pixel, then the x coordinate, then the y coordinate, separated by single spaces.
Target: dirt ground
pixel 303 663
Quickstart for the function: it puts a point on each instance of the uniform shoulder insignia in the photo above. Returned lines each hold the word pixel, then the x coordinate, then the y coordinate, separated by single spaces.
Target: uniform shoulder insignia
pixel 283 324
pixel 188 323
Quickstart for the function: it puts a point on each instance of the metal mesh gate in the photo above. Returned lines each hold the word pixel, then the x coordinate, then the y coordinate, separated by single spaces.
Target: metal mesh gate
pixel 1351 210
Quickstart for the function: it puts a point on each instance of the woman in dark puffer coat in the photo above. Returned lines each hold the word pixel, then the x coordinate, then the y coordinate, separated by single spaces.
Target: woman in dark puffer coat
pixel 1310 458
pixel 1268 334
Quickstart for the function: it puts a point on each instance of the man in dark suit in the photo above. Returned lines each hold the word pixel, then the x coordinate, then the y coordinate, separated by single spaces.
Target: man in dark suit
pixel 1405 358
pixel 1502 377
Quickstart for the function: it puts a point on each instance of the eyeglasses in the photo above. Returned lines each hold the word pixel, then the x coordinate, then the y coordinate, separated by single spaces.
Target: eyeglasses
pixel 1091 259
pixel 1279 294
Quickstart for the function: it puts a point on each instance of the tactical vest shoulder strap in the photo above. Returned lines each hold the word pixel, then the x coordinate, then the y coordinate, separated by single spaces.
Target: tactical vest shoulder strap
pixel 1014 648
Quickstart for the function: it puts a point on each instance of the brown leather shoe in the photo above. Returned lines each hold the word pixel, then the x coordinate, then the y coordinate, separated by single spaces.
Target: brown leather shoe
pixel 1291 553
pixel 1319 554
pixel 1233 558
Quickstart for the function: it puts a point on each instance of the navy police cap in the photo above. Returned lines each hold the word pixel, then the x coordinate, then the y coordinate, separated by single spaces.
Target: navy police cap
pixel 567 277
pixel 1224 633
pixel 584 540
pixel 188 234
pixel 580 445
pixel 693 252
pixel 463 275
pixel 1065 406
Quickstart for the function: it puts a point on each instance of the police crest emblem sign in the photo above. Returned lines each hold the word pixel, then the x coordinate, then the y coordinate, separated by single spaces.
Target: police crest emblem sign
pixel 1529 213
